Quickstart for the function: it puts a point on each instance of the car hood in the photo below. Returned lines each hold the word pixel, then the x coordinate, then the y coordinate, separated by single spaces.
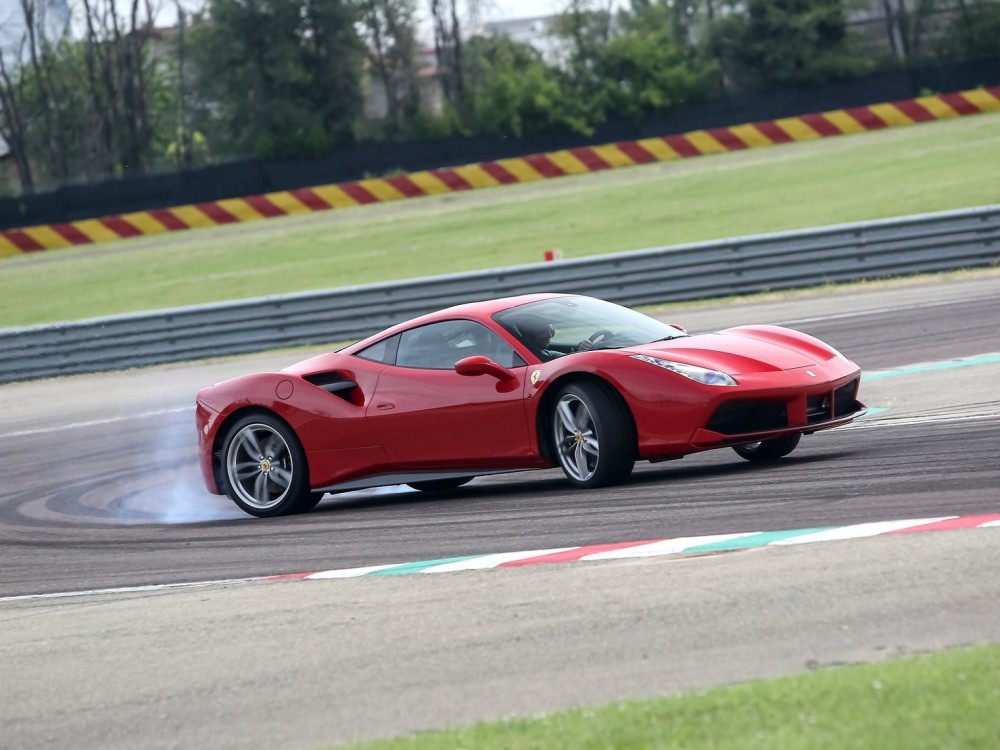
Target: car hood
pixel 730 353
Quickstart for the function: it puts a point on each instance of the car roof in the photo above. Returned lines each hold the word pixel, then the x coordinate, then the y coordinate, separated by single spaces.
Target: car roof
pixel 481 310
pixel 490 306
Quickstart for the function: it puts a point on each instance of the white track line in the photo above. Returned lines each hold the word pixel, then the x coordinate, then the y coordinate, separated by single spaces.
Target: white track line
pixel 95 422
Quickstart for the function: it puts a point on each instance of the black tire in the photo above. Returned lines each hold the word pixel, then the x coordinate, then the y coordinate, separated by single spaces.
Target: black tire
pixel 440 485
pixel 768 450
pixel 592 435
pixel 264 467
pixel 311 502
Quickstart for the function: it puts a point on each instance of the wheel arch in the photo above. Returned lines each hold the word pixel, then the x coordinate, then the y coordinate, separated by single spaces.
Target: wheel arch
pixel 218 449
pixel 543 415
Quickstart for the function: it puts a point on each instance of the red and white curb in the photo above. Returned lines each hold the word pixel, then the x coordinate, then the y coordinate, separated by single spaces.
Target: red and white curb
pixel 691 545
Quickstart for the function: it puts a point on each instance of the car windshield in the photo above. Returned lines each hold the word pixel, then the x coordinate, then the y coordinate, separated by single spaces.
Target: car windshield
pixel 554 327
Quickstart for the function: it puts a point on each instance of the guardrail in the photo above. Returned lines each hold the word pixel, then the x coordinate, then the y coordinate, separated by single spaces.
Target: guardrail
pixel 739 265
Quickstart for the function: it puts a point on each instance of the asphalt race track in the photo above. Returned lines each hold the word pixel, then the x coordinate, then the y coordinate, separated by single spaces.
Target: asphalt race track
pixel 101 491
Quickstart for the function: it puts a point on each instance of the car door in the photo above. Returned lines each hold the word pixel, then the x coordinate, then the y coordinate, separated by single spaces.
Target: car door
pixel 427 415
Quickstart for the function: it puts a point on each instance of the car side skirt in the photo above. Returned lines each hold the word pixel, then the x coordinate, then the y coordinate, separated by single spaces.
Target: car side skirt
pixel 405 477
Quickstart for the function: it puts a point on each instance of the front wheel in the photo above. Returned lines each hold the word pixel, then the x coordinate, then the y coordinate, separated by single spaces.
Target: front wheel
pixel 768 450
pixel 593 436
pixel 265 467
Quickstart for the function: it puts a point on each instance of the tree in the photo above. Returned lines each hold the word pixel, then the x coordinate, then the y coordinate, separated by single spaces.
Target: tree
pixel 676 18
pixel 584 28
pixel 13 127
pixel 514 93
pixel 648 71
pixel 390 32
pixel 181 147
pixel 785 43
pixel 975 33
pixel 119 77
pixel 29 95
pixel 448 49
pixel 82 109
pixel 283 76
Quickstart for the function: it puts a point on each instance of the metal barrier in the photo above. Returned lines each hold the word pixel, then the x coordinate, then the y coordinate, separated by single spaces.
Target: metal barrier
pixel 740 265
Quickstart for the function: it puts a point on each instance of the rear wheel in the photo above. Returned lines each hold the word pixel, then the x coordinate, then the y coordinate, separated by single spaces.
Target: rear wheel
pixel 440 485
pixel 768 450
pixel 593 436
pixel 265 468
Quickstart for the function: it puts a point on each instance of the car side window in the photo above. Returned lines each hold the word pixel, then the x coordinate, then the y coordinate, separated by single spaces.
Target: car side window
pixel 439 346
pixel 384 351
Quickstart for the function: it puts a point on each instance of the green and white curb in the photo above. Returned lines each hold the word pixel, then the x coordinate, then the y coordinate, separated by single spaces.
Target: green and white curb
pixel 679 546
pixel 693 545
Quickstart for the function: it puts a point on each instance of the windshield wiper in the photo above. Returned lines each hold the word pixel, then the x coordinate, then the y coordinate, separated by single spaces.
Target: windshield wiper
pixel 671 338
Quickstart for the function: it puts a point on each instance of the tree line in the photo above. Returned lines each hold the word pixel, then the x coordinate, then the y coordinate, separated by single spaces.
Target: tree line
pixel 289 79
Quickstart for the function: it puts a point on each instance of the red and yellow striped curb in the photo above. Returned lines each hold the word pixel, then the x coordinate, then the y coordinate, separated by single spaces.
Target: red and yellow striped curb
pixel 502 172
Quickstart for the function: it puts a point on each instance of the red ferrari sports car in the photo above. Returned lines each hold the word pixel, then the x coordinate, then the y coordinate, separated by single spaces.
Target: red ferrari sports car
pixel 536 381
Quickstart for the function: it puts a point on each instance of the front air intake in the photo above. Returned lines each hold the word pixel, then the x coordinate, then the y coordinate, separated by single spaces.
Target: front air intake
pixel 740 417
pixel 335 383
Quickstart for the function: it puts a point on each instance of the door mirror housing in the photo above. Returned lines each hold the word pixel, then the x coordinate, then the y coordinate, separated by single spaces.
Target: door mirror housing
pixel 480 365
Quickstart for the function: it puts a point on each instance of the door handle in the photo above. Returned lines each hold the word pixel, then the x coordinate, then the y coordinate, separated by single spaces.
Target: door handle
pixel 385 405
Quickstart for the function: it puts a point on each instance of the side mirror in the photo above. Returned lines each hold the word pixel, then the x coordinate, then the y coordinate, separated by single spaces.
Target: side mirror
pixel 682 329
pixel 480 365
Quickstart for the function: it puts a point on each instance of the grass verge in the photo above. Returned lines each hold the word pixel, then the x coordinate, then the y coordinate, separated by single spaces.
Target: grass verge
pixel 945 700
pixel 936 166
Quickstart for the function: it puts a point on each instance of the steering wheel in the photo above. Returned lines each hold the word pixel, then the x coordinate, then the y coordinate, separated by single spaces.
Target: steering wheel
pixel 602 335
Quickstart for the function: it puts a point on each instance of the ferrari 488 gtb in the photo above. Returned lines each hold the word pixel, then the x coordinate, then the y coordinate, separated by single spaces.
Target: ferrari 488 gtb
pixel 525 382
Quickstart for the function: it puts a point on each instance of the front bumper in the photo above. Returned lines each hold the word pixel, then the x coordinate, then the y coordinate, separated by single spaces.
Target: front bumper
pixel 206 422
pixel 751 417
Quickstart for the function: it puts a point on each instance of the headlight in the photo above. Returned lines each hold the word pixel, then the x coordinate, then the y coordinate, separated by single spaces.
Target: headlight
pixel 698 374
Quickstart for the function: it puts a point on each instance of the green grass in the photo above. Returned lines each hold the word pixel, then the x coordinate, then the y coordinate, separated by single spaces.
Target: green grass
pixel 937 166
pixel 949 700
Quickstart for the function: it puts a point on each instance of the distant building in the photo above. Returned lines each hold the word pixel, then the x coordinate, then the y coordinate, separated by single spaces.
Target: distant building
pixel 535 31
pixel 376 105
pixel 52 16
pixel 891 25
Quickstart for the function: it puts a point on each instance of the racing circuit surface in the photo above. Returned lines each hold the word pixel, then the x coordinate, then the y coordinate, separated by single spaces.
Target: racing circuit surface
pixel 101 490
